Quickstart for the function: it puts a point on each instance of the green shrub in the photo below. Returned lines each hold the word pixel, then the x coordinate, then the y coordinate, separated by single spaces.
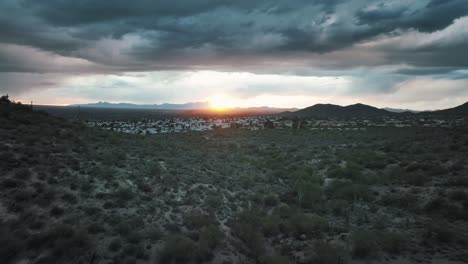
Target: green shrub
pixel 113 158
pixel 22 174
pixel 92 210
pixel 66 243
pixel 392 242
pixel 70 198
pixel 177 249
pixel 10 247
pixel 11 183
pixel 459 181
pixel 381 222
pixel 439 229
pixel 23 195
pixel 214 201
pixel 124 194
pixel 104 172
pixel 338 207
pixel 129 260
pixel 349 191
pixel 270 200
pixel 270 225
pixel 154 233
pixel 85 185
pixel 154 169
pixel 210 237
pixel 364 243
pixel 196 219
pixel 115 245
pixel 172 227
pixel 275 259
pixel 369 159
pixel 414 166
pixel 436 205
pixel 61 231
pixel 95 228
pixel 134 237
pixel 246 228
pixel 417 178
pixel 458 195
pixel 400 200
pixel 304 224
pixel 326 253
pixel 395 174
pixel 125 227
pixel 134 251
pixel 284 211
pixel 309 195
pixel 56 211
pixel 351 171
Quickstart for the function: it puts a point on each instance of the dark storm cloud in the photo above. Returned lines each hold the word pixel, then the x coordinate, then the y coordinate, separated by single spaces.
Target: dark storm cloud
pixel 71 13
pixel 424 58
pixel 425 71
pixel 435 15
pixel 300 37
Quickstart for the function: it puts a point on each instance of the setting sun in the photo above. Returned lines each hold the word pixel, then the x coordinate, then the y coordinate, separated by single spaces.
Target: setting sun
pixel 222 102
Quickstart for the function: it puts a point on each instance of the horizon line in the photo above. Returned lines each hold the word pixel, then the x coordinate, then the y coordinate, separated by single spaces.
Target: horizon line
pixel 225 108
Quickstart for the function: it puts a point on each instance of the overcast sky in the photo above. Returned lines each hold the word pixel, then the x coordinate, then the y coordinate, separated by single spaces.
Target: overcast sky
pixel 395 53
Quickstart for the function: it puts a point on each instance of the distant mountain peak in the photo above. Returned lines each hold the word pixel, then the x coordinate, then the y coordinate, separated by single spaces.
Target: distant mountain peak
pixel 164 106
pixel 398 110
pixel 185 106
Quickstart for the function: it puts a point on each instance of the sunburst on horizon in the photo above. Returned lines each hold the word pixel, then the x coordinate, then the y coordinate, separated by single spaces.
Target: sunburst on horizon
pixel 222 102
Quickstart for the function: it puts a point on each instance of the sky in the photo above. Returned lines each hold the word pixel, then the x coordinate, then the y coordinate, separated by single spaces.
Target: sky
pixel 279 53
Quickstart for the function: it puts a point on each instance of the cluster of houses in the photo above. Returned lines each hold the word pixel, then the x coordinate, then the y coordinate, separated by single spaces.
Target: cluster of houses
pixel 169 125
pixel 172 125
pixel 389 122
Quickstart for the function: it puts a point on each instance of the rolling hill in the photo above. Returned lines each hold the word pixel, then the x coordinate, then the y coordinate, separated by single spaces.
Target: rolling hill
pixel 367 111
pixel 336 111
pixel 461 110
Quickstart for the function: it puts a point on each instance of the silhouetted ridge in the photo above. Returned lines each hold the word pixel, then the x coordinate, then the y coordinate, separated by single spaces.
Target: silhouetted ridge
pixel 336 111
pixel 461 110
pixel 165 106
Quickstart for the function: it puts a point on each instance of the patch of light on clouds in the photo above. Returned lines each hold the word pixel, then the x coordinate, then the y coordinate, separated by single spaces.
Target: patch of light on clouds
pixel 180 87
pixel 281 101
pixel 244 89
pixel 424 94
pixel 455 34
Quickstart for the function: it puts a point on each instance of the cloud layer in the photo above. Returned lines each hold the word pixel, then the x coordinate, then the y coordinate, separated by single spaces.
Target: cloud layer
pixel 378 47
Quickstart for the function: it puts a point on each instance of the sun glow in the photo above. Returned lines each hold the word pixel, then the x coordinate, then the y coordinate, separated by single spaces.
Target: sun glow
pixel 222 102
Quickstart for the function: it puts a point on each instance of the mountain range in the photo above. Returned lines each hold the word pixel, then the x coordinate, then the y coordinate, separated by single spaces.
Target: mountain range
pixel 398 110
pixel 196 106
pixel 315 111
pixel 366 111
pixel 165 106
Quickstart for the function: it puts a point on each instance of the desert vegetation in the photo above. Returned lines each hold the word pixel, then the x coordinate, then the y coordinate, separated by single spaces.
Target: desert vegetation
pixel 74 194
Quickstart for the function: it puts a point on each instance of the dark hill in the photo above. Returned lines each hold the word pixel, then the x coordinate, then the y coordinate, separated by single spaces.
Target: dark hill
pixel 461 110
pixel 336 111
